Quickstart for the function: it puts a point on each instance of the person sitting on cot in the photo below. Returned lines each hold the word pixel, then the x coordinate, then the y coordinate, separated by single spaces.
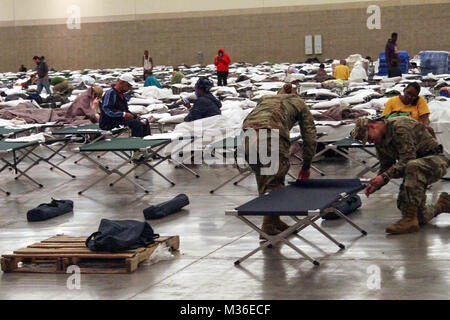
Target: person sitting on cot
pixel 87 105
pixel 206 104
pixel 115 112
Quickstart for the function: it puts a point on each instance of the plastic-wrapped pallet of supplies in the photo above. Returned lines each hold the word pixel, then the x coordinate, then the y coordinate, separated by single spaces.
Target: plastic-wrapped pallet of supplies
pixel 435 62
pixel 404 63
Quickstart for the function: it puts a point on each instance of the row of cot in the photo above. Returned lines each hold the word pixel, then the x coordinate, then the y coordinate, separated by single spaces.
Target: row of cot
pixel 308 200
pixel 139 152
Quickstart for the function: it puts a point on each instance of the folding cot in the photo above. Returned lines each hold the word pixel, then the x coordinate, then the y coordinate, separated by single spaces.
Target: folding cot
pixel 340 147
pixel 232 144
pixel 13 148
pixel 12 132
pixel 136 151
pixel 6 132
pixel 183 141
pixel 82 134
pixel 310 199
pixel 21 150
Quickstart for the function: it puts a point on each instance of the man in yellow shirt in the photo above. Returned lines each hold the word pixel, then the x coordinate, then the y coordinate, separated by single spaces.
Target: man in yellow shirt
pixel 410 103
pixel 342 72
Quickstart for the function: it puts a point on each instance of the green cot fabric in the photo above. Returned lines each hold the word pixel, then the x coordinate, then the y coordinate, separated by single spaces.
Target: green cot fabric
pixel 123 144
pixel 5 146
pixel 5 131
pixel 235 142
pixel 349 143
pixel 78 130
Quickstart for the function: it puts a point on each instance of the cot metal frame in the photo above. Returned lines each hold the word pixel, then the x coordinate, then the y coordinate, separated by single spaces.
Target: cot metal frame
pixel 247 171
pixel 161 158
pixel 136 156
pixel 47 159
pixel 25 150
pixel 80 135
pixel 339 149
pixel 300 223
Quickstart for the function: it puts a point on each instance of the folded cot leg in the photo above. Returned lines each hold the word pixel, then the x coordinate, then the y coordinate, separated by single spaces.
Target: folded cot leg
pixel 354 225
pixel 226 182
pixel 108 173
pixel 102 154
pixel 326 234
pixel 124 176
pixel 312 167
pixel 186 168
pixel 272 240
pixel 47 160
pixel 290 175
pixel 368 169
pixel 246 174
pixel 262 245
pixel 312 223
pixel 6 192
pixel 159 173
pixel 22 173
pixel 57 152
pixel 318 170
pixel 314 262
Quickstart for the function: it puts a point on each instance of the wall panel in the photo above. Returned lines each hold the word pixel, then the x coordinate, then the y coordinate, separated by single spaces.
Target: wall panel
pixel 270 34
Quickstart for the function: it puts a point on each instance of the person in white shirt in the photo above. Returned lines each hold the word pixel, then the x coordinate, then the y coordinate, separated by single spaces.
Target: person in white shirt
pixel 147 62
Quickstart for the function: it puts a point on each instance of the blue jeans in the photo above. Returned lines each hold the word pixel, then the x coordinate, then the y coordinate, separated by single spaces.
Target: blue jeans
pixel 43 83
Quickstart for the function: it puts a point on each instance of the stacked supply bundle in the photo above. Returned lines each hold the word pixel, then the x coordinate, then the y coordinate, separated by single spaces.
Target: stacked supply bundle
pixel 435 62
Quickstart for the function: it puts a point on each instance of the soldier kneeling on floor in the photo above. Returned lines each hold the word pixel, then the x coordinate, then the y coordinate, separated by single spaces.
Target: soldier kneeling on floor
pixel 406 149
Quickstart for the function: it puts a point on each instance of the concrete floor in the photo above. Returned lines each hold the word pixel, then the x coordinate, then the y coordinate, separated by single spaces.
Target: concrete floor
pixel 414 266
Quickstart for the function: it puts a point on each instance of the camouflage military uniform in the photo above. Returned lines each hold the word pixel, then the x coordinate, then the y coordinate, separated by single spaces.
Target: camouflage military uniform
pixel 279 112
pixel 409 151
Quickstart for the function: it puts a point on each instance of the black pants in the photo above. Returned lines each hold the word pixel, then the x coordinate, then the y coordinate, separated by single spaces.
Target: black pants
pixel 137 128
pixel 222 78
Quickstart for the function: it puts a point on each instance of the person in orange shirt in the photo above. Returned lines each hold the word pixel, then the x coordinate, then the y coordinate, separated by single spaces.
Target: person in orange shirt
pixel 410 103
pixel 342 72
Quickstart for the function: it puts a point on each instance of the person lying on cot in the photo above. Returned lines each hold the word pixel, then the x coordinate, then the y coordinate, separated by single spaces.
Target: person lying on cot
pixel 269 124
pixel 406 150
pixel 115 112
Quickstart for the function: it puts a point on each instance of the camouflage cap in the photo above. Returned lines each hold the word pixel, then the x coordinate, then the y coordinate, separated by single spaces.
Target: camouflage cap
pixel 360 130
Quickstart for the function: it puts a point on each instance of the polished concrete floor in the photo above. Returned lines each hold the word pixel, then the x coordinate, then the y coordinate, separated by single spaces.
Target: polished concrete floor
pixel 413 266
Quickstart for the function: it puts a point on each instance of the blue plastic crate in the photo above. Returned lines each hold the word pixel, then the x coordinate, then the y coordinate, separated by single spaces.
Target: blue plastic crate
pixel 404 63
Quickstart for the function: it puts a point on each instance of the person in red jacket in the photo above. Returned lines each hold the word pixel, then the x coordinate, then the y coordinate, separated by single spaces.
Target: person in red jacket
pixel 222 60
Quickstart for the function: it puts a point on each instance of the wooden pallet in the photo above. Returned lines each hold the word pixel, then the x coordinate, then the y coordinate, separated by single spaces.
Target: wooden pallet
pixel 56 254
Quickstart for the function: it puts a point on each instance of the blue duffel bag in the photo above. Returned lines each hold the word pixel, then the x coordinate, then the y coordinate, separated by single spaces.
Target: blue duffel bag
pixel 164 209
pixel 47 211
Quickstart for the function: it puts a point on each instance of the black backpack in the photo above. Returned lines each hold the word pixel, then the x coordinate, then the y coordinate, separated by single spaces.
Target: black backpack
pixel 121 235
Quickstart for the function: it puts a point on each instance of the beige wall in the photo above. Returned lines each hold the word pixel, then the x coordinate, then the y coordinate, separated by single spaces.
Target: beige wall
pixel 22 11
pixel 252 34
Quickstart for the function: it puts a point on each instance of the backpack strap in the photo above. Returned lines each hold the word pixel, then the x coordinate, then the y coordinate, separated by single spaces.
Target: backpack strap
pixel 90 237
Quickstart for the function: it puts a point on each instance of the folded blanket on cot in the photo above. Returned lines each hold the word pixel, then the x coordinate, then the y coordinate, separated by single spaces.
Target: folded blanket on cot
pixel 41 137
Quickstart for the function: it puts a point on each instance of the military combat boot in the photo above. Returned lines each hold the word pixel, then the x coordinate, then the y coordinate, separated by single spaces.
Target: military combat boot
pixel 408 224
pixel 269 226
pixel 443 204
pixel 280 225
